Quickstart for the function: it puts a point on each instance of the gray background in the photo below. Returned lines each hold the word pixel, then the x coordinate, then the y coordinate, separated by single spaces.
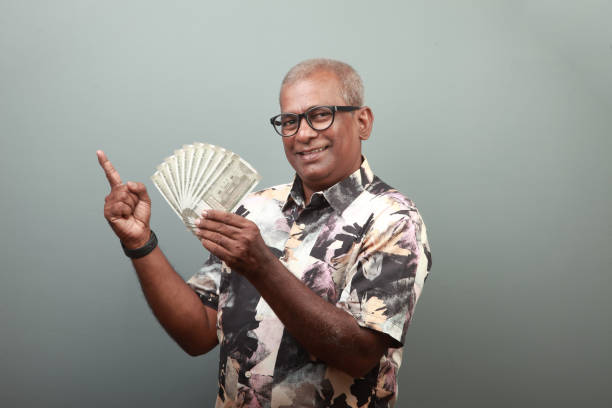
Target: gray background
pixel 494 116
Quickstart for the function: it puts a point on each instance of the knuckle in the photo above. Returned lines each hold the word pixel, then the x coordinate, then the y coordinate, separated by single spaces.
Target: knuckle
pixel 211 236
pixel 120 207
pixel 219 238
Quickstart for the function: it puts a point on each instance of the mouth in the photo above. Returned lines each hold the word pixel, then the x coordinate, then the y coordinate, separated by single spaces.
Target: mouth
pixel 311 152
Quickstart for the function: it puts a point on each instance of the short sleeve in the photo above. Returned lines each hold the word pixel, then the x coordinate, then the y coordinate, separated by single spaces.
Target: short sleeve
pixel 207 281
pixel 386 280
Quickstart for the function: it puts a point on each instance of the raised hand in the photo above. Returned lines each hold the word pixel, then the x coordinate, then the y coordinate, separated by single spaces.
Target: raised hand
pixel 127 208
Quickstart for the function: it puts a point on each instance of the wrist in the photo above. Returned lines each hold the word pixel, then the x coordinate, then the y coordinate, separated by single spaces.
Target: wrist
pixel 136 242
pixel 138 250
pixel 268 267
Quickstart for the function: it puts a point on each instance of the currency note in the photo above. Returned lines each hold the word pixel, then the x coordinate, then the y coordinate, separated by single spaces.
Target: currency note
pixel 236 181
pixel 202 176
pixel 164 189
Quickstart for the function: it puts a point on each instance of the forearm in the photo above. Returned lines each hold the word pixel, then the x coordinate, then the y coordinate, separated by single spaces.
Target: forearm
pixel 327 332
pixel 175 305
pixel 179 310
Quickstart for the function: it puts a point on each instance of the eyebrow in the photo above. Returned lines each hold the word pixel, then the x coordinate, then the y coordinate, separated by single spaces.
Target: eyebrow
pixel 310 107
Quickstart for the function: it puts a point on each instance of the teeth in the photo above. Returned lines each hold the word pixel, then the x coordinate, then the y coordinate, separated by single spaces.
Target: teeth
pixel 314 151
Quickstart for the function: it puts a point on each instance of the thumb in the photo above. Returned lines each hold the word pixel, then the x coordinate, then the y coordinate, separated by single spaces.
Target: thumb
pixel 140 190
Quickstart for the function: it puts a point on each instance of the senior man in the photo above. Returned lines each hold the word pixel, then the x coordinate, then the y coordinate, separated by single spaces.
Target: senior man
pixel 310 286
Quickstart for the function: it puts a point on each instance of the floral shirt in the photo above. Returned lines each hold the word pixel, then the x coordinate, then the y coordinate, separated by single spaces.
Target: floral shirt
pixel 360 245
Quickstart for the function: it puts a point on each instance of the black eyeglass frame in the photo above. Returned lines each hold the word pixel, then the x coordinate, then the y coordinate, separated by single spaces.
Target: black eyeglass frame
pixel 304 115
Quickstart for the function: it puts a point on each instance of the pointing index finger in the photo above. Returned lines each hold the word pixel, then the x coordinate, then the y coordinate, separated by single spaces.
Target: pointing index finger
pixel 111 174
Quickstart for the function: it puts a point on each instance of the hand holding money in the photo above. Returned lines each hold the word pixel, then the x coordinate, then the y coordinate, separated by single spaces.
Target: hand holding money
pixel 127 208
pixel 202 176
pixel 236 241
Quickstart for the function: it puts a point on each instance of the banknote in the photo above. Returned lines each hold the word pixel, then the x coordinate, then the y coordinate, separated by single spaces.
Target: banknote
pixel 202 176
pixel 231 186
pixel 164 189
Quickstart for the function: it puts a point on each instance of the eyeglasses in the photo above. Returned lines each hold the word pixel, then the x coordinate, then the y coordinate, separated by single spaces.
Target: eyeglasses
pixel 317 117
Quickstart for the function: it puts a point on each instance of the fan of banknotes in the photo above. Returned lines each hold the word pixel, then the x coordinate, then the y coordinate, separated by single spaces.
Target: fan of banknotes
pixel 201 176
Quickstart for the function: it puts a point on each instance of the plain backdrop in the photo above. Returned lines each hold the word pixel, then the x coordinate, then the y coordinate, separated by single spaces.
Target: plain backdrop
pixel 495 117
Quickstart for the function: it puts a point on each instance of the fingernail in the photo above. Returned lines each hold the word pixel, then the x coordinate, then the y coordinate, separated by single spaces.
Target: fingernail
pixel 197 221
pixel 204 214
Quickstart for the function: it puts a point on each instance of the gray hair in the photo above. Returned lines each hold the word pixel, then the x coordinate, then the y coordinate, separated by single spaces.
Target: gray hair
pixel 351 86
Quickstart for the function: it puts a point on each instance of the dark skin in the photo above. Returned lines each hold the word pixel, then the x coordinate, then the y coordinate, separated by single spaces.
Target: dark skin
pixel 328 333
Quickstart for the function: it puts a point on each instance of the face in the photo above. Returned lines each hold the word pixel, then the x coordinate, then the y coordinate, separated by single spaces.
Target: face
pixel 322 158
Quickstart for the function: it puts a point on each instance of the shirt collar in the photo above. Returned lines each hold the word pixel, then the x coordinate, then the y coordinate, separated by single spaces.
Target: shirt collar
pixel 340 195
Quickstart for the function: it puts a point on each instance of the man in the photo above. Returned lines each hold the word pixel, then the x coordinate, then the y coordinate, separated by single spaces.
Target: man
pixel 311 285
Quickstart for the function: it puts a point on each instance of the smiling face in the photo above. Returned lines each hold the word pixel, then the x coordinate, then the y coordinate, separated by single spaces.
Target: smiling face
pixel 322 158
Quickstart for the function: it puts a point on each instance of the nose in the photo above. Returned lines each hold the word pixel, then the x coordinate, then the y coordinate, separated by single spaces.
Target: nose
pixel 305 132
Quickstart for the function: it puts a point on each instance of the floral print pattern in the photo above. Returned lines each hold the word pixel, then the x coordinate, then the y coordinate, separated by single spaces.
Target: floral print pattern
pixel 360 245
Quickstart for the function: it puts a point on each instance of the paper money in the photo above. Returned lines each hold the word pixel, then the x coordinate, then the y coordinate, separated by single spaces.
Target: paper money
pixel 201 176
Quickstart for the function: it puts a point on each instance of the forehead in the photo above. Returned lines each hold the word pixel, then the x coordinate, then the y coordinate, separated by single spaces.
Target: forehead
pixel 319 88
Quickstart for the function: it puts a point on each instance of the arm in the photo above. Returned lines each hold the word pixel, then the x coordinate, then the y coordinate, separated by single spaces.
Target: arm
pixel 179 310
pixel 329 333
pixel 326 331
pixel 175 305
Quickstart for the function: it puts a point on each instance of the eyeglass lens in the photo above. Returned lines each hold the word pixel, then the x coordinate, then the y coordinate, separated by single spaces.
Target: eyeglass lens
pixel 319 118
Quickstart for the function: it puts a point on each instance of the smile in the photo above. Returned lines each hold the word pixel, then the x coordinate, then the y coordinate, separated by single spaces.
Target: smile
pixel 313 151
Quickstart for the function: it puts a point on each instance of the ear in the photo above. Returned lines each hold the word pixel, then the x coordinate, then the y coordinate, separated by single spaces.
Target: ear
pixel 365 120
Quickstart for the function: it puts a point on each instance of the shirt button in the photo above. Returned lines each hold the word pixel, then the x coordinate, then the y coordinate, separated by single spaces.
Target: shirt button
pixel 259 317
pixel 247 374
